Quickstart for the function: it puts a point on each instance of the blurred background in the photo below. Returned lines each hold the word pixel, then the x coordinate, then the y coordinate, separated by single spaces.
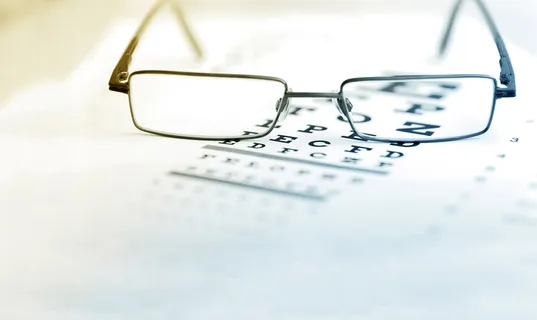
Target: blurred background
pixel 46 39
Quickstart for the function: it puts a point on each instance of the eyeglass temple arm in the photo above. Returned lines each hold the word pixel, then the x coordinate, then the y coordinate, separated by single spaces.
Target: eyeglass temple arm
pixel 507 74
pixel 119 79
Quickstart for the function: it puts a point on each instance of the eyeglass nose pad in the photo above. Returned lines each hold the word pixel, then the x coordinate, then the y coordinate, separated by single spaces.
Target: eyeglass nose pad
pixel 283 105
pixel 343 106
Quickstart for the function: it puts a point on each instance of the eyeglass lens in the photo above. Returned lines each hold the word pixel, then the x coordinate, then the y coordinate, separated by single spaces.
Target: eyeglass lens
pixel 421 109
pixel 202 106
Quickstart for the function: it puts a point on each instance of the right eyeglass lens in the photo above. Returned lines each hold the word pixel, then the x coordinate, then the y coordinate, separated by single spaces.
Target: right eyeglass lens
pixel 202 106
pixel 417 109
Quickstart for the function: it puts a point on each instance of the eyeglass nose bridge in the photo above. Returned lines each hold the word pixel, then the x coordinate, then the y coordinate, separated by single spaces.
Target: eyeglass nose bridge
pixel 343 105
pixel 333 95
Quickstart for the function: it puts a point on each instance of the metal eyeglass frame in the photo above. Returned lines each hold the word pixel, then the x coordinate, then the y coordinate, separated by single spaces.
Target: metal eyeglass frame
pixel 120 78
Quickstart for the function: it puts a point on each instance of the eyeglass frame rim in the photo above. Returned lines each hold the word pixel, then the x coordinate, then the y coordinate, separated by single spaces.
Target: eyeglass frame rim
pixel 209 75
pixel 120 78
pixel 289 94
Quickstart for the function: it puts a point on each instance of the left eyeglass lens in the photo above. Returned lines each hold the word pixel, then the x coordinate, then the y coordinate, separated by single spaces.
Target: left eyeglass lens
pixel 202 106
pixel 418 109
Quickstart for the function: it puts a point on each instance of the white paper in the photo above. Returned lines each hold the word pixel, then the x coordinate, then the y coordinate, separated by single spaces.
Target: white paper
pixel 95 226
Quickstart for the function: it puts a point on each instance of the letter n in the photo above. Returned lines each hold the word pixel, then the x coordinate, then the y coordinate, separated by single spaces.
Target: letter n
pixel 417 127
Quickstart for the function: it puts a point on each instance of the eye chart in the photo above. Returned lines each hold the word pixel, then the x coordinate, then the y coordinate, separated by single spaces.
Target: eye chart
pixel 314 154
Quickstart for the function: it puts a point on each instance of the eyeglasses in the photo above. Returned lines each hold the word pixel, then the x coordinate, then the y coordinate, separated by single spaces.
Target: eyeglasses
pixel 221 106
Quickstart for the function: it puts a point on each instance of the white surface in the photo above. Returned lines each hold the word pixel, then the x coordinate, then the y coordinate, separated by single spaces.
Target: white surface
pixel 48 43
pixel 94 229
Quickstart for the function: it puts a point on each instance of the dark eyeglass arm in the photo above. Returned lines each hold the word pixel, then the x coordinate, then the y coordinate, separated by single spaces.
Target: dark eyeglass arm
pixel 507 74
pixel 119 79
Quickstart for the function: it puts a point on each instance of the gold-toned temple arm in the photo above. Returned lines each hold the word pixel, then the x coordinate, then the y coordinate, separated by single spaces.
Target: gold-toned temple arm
pixel 119 78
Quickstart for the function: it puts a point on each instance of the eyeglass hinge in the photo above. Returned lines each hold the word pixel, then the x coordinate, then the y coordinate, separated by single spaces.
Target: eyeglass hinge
pixel 119 81
pixel 505 93
pixel 119 88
